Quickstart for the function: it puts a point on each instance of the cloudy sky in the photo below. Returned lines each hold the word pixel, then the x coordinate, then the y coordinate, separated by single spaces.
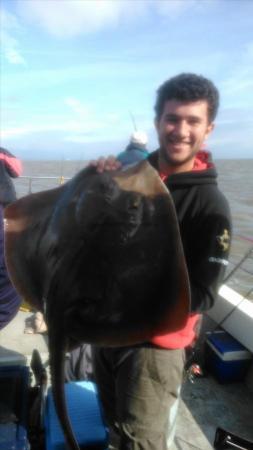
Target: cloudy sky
pixel 75 72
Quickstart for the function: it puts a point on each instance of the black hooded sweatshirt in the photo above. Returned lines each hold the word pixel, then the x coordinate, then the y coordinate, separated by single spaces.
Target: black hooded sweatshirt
pixel 205 225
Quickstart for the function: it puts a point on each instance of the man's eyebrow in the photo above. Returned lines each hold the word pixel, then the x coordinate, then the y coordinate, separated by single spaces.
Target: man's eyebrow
pixel 194 118
pixel 178 116
pixel 172 116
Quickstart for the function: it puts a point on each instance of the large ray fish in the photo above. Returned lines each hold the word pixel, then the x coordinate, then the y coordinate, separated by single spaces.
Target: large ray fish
pixel 102 258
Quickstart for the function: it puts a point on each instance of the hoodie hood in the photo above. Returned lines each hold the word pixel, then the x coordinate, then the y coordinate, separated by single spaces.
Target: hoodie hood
pixel 203 172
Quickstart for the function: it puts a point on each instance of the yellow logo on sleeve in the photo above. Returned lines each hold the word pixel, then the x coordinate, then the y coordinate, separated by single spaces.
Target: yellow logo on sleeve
pixel 224 240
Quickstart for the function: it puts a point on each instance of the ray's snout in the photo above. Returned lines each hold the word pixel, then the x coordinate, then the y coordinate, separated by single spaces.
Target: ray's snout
pixel 100 195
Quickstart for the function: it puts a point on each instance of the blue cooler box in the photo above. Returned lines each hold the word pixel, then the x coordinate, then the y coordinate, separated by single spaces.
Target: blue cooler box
pixel 225 357
pixel 85 417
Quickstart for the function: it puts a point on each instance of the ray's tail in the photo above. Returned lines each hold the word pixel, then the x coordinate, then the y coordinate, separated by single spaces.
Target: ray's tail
pixel 57 346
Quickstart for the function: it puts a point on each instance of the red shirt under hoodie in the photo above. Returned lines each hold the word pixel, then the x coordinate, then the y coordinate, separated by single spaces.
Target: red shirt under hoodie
pixel 185 336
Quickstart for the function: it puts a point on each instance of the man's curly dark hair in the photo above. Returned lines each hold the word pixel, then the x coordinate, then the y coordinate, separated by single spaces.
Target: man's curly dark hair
pixel 188 87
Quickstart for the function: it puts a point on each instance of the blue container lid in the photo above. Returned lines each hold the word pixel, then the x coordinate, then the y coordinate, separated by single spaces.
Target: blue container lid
pixel 85 415
pixel 224 342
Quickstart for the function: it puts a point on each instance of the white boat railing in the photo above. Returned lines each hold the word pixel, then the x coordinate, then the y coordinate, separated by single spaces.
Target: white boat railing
pixel 234 308
pixel 244 265
pixel 30 179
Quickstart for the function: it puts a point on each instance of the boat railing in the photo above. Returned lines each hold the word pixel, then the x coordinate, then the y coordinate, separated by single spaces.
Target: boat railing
pixel 239 265
pixel 244 266
pixel 56 180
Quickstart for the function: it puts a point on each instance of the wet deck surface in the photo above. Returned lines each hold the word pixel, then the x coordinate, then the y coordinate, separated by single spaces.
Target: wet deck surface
pixel 17 346
pixel 205 404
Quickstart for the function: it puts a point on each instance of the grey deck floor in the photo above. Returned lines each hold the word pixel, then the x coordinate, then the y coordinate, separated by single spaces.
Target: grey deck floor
pixel 205 404
pixel 16 346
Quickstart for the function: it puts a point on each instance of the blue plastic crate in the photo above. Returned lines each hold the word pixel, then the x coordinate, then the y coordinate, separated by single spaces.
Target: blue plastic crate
pixel 85 416
pixel 225 357
pixel 14 382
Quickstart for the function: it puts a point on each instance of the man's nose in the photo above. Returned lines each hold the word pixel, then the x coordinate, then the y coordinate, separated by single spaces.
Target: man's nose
pixel 182 129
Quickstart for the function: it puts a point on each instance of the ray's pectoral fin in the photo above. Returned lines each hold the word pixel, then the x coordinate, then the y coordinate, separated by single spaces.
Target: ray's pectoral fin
pixel 25 224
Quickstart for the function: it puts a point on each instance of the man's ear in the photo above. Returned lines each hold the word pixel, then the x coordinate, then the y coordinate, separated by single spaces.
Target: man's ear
pixel 209 129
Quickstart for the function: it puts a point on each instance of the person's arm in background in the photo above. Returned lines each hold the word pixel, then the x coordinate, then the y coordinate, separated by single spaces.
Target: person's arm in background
pixel 12 164
pixel 9 299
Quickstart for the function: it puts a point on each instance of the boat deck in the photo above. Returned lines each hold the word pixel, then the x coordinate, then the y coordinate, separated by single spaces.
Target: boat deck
pixel 16 346
pixel 205 403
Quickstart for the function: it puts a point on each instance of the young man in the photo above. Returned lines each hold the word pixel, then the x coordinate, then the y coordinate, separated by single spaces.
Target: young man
pixel 140 385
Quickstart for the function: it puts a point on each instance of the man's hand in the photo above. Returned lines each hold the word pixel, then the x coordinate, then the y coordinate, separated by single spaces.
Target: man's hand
pixel 105 164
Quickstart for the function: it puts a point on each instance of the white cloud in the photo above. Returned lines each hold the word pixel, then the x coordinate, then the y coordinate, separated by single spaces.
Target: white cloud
pixel 77 123
pixel 70 18
pixel 13 132
pixel 77 107
pixel 233 132
pixel 8 20
pixel 238 86
pixel 66 18
pixel 249 51
pixel 174 8
pixel 68 131
pixel 10 45
pixel 10 49
pixel 63 126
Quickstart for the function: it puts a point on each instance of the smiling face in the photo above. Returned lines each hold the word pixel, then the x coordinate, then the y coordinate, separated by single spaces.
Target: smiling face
pixel 182 128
